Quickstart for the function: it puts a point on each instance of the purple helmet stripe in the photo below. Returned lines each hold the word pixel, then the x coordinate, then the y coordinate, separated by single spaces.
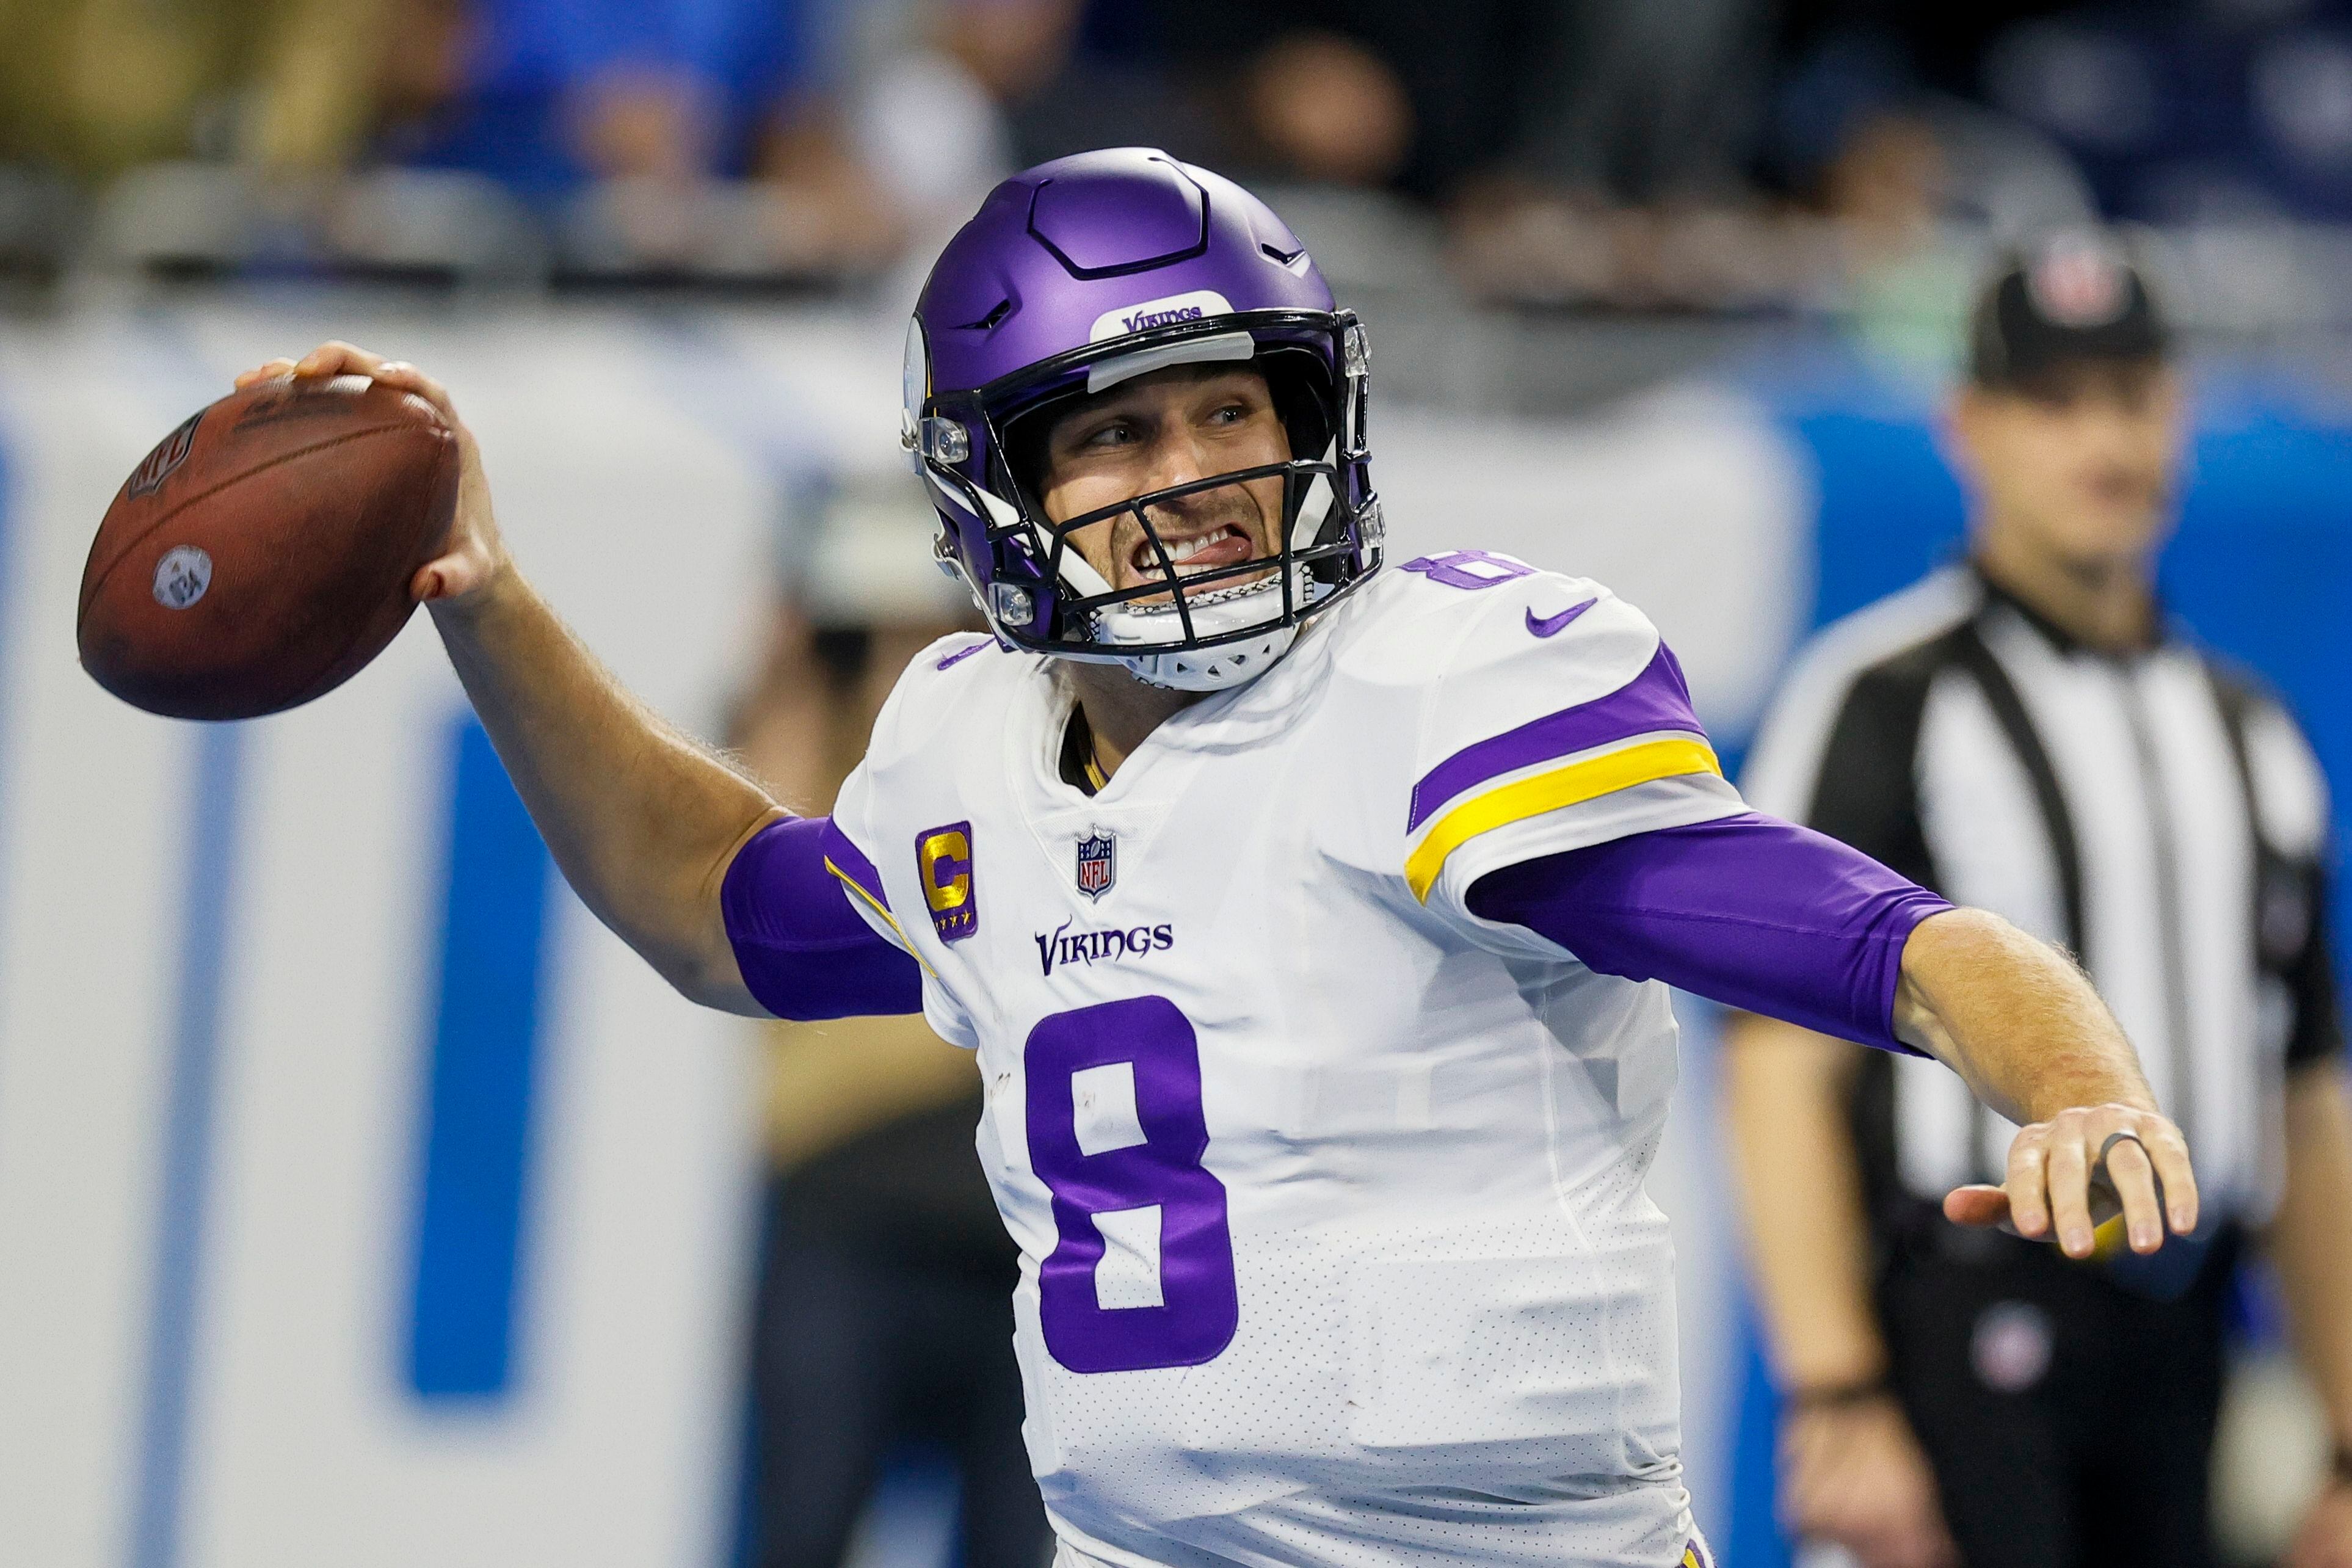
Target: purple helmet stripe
pixel 1654 700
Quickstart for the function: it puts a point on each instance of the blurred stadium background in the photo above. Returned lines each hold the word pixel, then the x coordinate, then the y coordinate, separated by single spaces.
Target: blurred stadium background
pixel 360 1200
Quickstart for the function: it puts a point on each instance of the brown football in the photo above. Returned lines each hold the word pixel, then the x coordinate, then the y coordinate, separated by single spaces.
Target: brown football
pixel 263 553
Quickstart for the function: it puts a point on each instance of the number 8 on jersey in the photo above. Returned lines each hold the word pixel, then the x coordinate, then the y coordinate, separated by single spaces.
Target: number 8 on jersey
pixel 1142 1274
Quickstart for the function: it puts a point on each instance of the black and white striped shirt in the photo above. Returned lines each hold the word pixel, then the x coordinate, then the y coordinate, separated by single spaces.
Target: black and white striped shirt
pixel 2158 812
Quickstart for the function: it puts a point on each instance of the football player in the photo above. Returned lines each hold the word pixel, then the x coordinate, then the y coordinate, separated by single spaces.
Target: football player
pixel 1313 920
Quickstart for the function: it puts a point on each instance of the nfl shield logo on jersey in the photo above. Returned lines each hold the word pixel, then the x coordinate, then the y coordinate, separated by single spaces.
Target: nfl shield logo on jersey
pixel 1098 862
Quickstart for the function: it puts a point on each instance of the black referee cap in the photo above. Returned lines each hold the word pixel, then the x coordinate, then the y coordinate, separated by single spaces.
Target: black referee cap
pixel 2074 297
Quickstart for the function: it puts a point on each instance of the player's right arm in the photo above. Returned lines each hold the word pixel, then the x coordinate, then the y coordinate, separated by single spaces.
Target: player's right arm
pixel 645 824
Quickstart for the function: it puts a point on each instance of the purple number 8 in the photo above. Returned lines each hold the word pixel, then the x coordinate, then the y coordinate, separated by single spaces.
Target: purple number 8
pixel 1197 1307
pixel 1469 568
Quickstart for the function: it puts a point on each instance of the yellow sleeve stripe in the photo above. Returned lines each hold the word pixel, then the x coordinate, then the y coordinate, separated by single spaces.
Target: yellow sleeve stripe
pixel 1571 785
pixel 877 905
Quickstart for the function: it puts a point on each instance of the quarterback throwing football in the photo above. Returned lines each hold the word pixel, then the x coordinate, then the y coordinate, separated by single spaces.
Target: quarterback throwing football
pixel 1312 918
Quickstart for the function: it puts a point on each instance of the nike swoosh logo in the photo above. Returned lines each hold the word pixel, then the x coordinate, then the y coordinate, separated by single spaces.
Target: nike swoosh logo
pixel 1545 628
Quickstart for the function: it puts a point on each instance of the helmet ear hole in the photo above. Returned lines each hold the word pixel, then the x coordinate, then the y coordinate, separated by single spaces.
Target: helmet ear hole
pixel 1025 450
pixel 1298 382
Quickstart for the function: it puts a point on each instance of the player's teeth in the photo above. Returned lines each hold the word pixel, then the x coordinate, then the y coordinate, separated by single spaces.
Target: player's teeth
pixel 1185 549
pixel 1181 551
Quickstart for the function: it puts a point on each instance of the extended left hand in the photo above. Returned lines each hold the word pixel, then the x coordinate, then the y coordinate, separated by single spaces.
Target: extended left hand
pixel 2059 1181
pixel 2324 1540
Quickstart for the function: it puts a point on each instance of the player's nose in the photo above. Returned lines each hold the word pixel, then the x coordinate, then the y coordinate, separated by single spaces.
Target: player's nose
pixel 1177 457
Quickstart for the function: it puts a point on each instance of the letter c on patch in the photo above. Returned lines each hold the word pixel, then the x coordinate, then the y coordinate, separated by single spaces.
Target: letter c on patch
pixel 943 866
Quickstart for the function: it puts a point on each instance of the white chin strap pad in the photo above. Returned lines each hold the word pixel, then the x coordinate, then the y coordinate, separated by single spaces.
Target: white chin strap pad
pixel 1233 612
pixel 1213 668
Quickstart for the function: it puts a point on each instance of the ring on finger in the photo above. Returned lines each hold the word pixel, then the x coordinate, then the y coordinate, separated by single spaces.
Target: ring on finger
pixel 2107 1147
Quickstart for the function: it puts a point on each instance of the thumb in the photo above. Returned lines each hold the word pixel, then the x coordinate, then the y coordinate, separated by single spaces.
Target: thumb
pixel 1977 1205
pixel 449 576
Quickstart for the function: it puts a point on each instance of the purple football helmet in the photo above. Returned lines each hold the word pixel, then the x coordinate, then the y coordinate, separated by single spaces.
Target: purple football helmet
pixel 1082 273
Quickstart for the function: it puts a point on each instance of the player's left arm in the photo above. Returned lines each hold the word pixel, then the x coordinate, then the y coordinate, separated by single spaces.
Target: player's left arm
pixel 1763 915
pixel 1563 784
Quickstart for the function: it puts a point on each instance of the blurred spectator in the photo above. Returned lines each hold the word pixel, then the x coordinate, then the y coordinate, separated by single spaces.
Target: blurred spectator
pixel 921 101
pixel 1643 103
pixel 1012 48
pixel 1865 126
pixel 93 87
pixel 1287 89
pixel 1673 154
pixel 1619 133
pixel 621 118
pixel 2299 113
pixel 1909 176
pixel 884 1308
pixel 543 95
pixel 2186 110
pixel 1634 102
pixel 1327 108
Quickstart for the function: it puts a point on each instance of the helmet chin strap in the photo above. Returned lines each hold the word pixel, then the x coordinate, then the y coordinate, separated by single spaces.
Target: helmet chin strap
pixel 1316 505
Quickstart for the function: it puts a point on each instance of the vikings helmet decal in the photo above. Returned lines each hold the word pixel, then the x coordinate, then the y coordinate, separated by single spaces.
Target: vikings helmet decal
pixel 1088 271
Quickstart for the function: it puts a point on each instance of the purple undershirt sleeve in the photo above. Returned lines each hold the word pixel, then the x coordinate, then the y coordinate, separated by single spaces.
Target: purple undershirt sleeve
pixel 805 953
pixel 1750 912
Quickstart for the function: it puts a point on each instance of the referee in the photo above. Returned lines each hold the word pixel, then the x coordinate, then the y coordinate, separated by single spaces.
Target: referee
pixel 2027 732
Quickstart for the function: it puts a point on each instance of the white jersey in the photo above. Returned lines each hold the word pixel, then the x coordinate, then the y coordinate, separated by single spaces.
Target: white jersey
pixel 1328 1194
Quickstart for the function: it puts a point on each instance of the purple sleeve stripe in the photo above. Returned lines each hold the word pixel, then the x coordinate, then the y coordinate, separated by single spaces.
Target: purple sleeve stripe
pixel 851 865
pixel 803 950
pixel 1750 911
pixel 1653 700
